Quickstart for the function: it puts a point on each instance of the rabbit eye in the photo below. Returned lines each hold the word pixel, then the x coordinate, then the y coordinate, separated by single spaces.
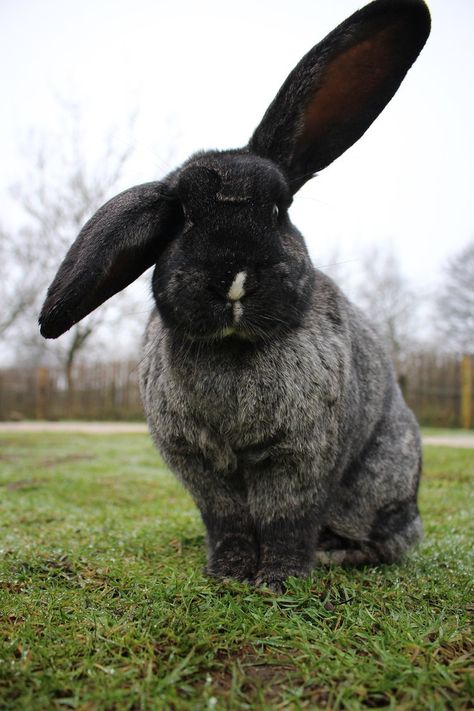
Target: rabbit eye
pixel 275 212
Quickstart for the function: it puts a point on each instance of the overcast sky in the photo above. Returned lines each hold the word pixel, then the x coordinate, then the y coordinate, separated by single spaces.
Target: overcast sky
pixel 201 74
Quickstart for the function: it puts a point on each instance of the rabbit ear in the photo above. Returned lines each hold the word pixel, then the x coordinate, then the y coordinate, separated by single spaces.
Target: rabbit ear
pixel 338 89
pixel 122 239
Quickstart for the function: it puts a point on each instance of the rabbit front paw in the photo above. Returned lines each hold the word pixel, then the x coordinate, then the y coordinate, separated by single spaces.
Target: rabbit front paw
pixel 274 577
pixel 233 557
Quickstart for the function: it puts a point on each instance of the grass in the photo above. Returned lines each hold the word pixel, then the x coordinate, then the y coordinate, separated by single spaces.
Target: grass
pixel 103 605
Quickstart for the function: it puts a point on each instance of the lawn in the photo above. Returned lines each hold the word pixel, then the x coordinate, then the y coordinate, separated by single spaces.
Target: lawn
pixel 103 604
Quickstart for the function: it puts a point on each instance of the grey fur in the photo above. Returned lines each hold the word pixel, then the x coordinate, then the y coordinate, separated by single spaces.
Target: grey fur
pixel 287 427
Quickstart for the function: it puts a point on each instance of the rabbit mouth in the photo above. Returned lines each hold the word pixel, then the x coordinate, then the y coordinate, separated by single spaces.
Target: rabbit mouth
pixel 230 333
pixel 225 333
pixel 235 331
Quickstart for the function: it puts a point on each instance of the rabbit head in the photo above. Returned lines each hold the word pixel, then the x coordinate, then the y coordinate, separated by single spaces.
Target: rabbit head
pixel 238 269
pixel 228 261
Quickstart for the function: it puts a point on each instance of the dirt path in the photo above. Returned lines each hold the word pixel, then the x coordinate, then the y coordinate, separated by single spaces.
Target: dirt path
pixel 85 427
pixel 456 439
pixel 461 440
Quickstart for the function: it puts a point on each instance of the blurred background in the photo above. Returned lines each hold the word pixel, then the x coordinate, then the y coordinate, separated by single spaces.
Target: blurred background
pixel 102 94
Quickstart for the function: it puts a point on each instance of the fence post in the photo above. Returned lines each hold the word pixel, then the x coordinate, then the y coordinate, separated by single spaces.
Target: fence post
pixel 41 384
pixel 466 392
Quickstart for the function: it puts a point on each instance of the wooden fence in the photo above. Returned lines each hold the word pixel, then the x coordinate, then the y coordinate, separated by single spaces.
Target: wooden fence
pixel 100 391
pixel 438 388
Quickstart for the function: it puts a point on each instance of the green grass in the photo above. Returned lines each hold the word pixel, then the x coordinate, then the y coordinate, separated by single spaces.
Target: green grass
pixel 103 605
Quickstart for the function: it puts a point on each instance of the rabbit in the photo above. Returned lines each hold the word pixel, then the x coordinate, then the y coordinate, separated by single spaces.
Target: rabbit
pixel 268 393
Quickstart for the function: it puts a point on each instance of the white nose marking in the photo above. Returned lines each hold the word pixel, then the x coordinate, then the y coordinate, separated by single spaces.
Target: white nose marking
pixel 238 311
pixel 236 290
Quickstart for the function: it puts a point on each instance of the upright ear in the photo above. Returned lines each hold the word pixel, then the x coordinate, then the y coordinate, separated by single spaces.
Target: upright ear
pixel 339 88
pixel 122 239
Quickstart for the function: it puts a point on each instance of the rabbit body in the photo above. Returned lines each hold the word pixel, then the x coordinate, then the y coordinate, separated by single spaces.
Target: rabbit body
pixel 267 392
pixel 297 451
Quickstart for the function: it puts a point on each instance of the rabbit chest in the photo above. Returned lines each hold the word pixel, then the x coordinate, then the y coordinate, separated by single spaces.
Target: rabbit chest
pixel 230 399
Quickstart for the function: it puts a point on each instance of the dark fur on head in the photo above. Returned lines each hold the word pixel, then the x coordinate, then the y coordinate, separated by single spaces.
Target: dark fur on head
pixel 235 221
pixel 266 391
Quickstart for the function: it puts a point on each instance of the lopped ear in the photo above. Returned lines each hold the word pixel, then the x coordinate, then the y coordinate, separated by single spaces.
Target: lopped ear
pixel 122 239
pixel 339 88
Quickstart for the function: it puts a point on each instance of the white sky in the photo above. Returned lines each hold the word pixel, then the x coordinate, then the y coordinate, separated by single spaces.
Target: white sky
pixel 201 75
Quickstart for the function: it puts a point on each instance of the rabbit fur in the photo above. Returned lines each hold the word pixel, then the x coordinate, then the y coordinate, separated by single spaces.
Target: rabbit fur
pixel 267 392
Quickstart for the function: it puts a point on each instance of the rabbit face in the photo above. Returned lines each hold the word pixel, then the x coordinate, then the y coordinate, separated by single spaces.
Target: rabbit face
pixel 239 269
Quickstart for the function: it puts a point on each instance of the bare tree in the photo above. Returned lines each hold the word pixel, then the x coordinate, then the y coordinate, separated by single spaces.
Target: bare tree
pixel 455 303
pixel 17 293
pixel 57 197
pixel 382 291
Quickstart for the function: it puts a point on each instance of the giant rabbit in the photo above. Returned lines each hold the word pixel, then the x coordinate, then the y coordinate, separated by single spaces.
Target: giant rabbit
pixel 267 392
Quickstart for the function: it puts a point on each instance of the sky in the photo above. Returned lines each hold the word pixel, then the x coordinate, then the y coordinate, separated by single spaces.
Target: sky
pixel 201 74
